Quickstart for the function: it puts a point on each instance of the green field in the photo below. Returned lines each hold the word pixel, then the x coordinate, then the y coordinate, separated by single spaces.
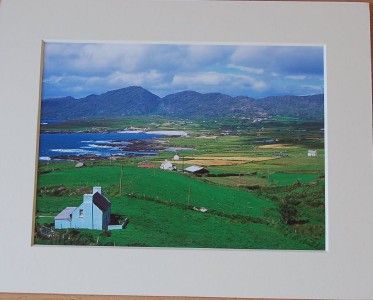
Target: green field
pixel 259 194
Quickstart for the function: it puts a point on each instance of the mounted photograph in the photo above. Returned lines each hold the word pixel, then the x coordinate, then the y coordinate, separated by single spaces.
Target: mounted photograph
pixel 181 146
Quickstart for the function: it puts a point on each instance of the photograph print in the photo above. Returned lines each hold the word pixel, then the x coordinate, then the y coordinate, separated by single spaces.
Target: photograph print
pixel 181 146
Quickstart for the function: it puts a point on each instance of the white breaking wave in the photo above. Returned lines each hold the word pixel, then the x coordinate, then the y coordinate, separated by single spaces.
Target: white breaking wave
pixel 81 151
pixel 120 143
pixel 98 142
pixel 46 158
pixel 99 146
pixel 130 131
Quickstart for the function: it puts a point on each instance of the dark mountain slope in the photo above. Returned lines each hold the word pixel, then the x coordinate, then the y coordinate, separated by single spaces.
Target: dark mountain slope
pixel 295 106
pixel 136 101
pixel 129 101
pixel 190 104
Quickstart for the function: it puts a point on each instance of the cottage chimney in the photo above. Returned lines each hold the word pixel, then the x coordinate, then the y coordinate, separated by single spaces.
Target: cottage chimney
pixel 96 189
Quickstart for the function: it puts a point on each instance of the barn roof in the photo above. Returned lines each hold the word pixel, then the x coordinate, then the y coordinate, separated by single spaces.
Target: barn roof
pixel 65 214
pixel 101 202
pixel 194 169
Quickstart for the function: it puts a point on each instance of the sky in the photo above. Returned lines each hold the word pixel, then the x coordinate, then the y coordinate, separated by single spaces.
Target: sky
pixel 81 69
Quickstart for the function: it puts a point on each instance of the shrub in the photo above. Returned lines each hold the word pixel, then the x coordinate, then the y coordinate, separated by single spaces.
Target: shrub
pixel 49 235
pixel 289 211
pixel 106 233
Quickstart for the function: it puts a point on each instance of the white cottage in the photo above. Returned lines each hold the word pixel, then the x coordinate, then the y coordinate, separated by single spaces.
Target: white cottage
pixel 312 153
pixel 167 165
pixel 93 213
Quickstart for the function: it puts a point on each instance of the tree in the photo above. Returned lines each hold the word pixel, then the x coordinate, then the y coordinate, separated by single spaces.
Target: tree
pixel 289 211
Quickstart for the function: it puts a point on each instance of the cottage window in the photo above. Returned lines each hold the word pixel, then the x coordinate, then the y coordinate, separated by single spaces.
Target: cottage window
pixel 81 213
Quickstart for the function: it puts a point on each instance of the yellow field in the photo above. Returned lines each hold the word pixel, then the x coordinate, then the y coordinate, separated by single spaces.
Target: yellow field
pixel 208 163
pixel 222 160
pixel 208 137
pixel 277 146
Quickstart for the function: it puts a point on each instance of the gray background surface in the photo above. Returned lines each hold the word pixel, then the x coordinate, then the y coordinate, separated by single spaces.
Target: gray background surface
pixel 344 271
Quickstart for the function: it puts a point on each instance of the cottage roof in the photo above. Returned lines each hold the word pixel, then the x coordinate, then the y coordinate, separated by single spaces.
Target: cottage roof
pixel 65 214
pixel 101 202
pixel 193 169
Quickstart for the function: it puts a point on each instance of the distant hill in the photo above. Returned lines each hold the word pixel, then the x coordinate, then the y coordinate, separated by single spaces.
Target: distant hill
pixel 131 101
pixel 309 107
pixel 135 101
pixel 190 104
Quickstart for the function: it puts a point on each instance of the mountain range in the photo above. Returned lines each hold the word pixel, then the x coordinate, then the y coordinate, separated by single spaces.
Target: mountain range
pixel 137 101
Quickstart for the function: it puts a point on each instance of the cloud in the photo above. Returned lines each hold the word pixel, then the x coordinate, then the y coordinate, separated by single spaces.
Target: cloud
pixel 95 58
pixel 100 84
pixel 56 80
pixel 80 69
pixel 257 71
pixel 209 78
pixel 312 89
pixel 290 60
pixel 103 58
pixel 141 78
pixel 202 55
pixel 296 77
pixel 215 79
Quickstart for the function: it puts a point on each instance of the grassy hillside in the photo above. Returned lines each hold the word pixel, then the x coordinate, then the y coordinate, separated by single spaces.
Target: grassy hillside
pixel 160 205
pixel 262 191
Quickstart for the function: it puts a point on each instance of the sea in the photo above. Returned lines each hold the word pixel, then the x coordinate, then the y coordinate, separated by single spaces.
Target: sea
pixel 59 145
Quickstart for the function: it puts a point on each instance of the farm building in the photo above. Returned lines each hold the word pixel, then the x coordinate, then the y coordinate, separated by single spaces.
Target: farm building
pixel 93 213
pixel 167 165
pixel 176 157
pixel 79 164
pixel 312 153
pixel 196 170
